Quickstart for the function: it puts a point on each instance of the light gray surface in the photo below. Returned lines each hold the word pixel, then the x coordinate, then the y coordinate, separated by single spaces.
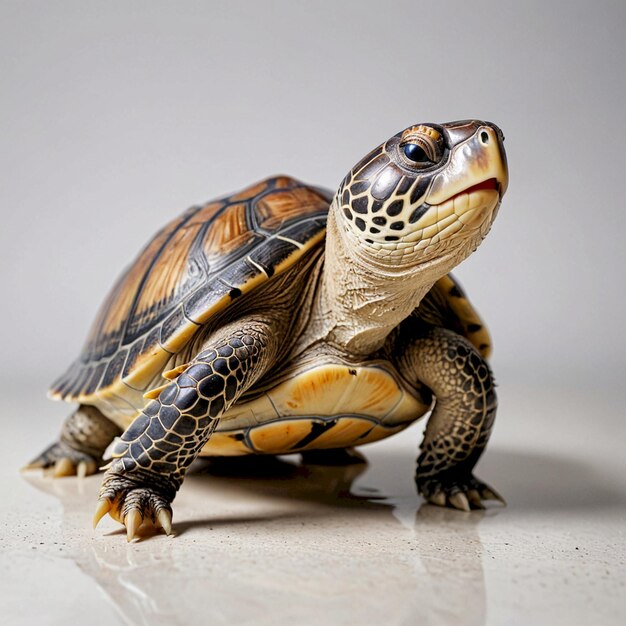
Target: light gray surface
pixel 296 549
pixel 115 117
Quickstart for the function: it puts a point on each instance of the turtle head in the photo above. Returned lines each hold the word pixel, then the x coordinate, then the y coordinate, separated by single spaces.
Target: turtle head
pixel 430 191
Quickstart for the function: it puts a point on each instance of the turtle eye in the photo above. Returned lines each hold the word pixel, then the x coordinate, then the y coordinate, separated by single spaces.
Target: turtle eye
pixel 415 153
pixel 421 146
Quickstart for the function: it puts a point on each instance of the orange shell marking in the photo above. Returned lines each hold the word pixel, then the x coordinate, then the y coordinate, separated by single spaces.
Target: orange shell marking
pixel 329 406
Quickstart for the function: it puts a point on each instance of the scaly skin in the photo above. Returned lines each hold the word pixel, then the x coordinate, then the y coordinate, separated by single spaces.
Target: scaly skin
pixel 155 451
pixel 461 422
pixel 85 436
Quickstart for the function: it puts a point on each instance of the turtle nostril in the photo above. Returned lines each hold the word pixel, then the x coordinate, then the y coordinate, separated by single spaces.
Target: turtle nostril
pixel 484 137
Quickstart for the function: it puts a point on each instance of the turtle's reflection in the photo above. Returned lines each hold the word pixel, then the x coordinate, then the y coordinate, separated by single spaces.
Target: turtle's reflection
pixel 278 540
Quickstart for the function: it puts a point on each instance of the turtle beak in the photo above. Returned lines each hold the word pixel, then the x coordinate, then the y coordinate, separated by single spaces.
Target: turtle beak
pixel 477 159
pixel 503 173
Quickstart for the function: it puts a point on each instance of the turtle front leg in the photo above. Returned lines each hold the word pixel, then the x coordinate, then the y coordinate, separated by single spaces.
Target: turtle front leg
pixel 85 436
pixel 153 455
pixel 461 422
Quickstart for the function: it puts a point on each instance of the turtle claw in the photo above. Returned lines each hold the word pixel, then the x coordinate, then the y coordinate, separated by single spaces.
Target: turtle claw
pixel 487 493
pixel 474 499
pixel 459 501
pixel 60 460
pixel 463 494
pixel 81 470
pixel 86 468
pixel 64 467
pixel 132 521
pixel 164 520
pixel 132 504
pixel 33 465
pixel 104 506
pixel 438 498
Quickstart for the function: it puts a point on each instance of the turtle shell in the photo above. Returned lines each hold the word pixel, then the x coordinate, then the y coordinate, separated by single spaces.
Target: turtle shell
pixel 447 305
pixel 192 269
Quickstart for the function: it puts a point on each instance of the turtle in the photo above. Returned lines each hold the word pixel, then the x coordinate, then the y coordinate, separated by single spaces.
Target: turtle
pixel 286 319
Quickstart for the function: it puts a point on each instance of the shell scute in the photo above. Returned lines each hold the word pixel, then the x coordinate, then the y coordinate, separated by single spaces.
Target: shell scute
pixel 204 213
pixel 176 331
pixel 281 208
pixel 301 232
pixel 447 305
pixel 272 254
pixel 171 277
pixel 193 268
pixel 104 337
pixel 280 435
pixel 239 274
pixel 133 354
pixel 229 232
pixel 198 307
pixel 95 379
pixel 115 368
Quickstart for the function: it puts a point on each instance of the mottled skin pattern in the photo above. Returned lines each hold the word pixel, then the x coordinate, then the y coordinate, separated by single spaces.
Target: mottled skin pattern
pixel 403 217
pixel 85 436
pixel 166 438
pixel 385 208
pixel 462 418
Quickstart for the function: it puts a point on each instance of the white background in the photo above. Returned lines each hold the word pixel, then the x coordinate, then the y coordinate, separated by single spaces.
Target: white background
pixel 117 116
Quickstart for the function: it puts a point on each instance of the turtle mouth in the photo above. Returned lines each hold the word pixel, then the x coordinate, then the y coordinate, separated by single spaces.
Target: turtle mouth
pixel 471 200
pixel 490 183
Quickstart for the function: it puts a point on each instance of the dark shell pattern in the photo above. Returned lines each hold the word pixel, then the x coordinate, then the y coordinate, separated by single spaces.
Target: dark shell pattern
pixel 194 267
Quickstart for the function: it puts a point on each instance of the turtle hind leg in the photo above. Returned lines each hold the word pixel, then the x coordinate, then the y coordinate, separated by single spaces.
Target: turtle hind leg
pixel 461 422
pixel 85 436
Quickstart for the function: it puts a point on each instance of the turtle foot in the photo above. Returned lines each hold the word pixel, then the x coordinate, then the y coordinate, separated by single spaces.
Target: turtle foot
pixel 60 460
pixel 455 492
pixel 131 504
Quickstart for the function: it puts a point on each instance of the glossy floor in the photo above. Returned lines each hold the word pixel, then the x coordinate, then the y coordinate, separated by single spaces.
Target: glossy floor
pixel 292 544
